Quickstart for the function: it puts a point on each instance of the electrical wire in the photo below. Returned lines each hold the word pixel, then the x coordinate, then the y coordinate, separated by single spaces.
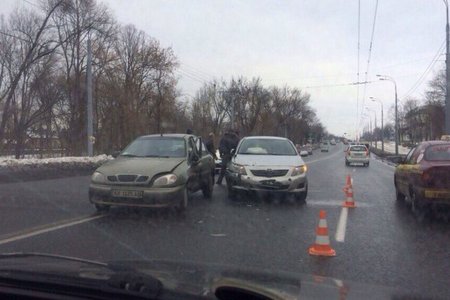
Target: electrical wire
pixel 425 73
pixel 369 55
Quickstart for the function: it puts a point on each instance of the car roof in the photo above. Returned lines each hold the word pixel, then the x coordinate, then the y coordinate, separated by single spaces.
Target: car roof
pixel 177 135
pixel 436 142
pixel 264 137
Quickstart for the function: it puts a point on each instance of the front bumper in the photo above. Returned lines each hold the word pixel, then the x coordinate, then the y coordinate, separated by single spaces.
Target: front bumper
pixel 151 197
pixel 263 185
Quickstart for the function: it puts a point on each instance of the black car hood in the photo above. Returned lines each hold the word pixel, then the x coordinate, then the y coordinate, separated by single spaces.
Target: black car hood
pixel 208 280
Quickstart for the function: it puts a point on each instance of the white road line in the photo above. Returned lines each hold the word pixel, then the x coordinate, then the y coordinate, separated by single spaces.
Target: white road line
pixel 49 228
pixel 321 202
pixel 342 225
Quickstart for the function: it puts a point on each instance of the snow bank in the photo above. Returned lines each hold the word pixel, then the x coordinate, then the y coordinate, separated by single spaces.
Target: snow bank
pixel 55 160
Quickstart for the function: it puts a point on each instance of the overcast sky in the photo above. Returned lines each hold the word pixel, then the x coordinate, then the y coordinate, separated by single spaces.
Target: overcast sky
pixel 303 44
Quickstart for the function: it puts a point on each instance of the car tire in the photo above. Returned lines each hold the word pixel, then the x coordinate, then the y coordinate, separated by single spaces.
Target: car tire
pixel 231 192
pixel 417 206
pixel 209 187
pixel 301 197
pixel 181 207
pixel 398 195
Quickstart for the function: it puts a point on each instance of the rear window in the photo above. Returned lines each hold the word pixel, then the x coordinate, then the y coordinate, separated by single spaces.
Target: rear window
pixel 438 152
pixel 358 148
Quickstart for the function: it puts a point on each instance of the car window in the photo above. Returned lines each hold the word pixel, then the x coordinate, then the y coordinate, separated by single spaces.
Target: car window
pixel 438 152
pixel 266 146
pixel 358 148
pixel 409 158
pixel 156 147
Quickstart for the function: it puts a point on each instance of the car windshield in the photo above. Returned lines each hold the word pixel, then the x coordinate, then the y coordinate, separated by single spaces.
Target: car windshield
pixel 156 147
pixel 358 148
pixel 207 140
pixel 438 152
pixel 266 147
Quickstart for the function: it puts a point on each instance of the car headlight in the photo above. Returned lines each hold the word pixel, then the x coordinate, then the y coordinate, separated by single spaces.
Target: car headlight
pixel 165 180
pixel 299 170
pixel 98 177
pixel 240 169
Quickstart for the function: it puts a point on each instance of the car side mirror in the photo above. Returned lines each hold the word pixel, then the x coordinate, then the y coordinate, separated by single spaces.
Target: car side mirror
pixel 115 154
pixel 399 159
pixel 233 151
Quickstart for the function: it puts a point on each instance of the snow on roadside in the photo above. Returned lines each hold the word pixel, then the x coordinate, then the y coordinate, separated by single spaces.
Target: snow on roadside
pixel 54 162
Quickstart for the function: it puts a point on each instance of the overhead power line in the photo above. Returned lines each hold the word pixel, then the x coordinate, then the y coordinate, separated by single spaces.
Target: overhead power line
pixel 369 55
pixel 425 73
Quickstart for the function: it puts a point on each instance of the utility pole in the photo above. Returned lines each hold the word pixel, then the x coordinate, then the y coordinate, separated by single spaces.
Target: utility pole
pixel 90 130
pixel 447 74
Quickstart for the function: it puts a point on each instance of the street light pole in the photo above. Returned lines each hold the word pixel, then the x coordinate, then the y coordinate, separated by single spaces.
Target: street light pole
pixel 374 127
pixel 382 125
pixel 447 73
pixel 385 77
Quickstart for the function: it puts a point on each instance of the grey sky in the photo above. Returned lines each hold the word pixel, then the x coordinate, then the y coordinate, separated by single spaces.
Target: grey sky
pixel 296 43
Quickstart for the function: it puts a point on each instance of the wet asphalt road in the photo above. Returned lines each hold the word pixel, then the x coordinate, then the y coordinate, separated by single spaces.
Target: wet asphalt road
pixel 384 244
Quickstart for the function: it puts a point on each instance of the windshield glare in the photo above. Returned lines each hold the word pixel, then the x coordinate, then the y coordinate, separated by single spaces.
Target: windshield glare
pixel 266 147
pixel 156 147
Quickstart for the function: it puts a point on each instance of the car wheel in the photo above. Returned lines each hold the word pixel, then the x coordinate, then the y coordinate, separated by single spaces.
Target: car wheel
pixel 398 195
pixel 209 187
pixel 101 207
pixel 417 206
pixel 183 202
pixel 301 197
pixel 231 192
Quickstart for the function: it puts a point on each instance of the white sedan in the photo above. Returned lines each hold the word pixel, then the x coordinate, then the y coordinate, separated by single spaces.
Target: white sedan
pixel 267 165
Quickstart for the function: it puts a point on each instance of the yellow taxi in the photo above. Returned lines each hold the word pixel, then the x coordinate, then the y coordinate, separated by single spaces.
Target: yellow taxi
pixel 423 177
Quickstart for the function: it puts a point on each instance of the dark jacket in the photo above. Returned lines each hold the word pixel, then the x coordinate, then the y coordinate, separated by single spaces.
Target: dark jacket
pixel 209 144
pixel 228 142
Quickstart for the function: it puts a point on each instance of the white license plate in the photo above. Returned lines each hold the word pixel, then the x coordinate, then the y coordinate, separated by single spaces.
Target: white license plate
pixel 127 194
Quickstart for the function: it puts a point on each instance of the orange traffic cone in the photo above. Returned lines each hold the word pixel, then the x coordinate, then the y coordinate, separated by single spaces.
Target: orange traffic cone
pixel 348 190
pixel 322 245
pixel 348 180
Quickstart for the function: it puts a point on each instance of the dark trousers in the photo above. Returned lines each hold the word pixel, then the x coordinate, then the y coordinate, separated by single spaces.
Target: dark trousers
pixel 223 169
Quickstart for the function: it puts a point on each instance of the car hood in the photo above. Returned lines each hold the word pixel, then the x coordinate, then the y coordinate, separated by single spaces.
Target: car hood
pixel 206 280
pixel 267 160
pixel 148 166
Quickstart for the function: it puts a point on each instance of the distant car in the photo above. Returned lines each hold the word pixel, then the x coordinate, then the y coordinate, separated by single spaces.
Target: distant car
pixel 423 177
pixel 357 154
pixel 303 153
pixel 309 148
pixel 267 164
pixel 324 147
pixel 154 171
pixel 333 142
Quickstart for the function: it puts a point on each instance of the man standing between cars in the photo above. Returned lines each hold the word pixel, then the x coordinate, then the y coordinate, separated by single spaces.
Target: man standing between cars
pixel 210 145
pixel 228 142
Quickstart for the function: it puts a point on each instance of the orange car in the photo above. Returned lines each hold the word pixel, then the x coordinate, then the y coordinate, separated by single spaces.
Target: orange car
pixel 423 177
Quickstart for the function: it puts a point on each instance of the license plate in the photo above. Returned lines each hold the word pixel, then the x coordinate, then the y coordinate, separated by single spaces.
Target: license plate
pixel 437 194
pixel 127 194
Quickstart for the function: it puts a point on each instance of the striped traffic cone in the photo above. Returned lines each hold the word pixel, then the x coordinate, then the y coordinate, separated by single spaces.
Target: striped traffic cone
pixel 348 190
pixel 322 245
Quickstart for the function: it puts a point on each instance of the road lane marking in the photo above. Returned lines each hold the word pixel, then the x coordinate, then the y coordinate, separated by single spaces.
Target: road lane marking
pixel 342 225
pixel 47 228
pixel 333 203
